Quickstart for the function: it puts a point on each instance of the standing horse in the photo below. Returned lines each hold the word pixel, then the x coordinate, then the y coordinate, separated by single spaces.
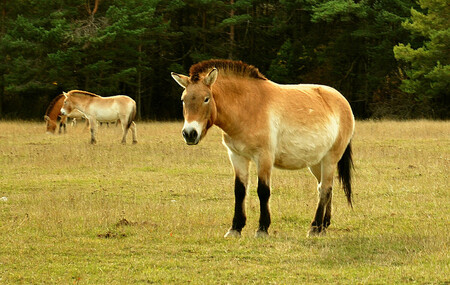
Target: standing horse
pixel 273 125
pixel 103 109
pixel 54 111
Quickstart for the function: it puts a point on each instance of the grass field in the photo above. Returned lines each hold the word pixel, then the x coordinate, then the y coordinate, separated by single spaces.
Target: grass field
pixel 156 212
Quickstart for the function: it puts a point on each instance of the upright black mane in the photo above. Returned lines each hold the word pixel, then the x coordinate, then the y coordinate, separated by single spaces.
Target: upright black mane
pixel 228 66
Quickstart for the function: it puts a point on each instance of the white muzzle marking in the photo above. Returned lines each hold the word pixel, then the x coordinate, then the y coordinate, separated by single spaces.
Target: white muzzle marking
pixel 192 132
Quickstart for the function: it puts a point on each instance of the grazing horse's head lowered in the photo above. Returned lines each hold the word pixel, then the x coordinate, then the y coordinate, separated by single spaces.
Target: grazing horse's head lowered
pixel 53 112
pixel 199 107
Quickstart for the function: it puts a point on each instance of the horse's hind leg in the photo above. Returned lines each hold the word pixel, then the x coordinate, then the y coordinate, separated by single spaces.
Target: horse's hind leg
pixel 264 172
pixel 125 131
pixel 133 132
pixel 241 166
pixel 317 172
pixel 325 187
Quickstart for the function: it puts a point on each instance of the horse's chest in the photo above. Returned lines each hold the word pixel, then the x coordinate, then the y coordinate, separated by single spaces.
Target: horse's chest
pixel 238 146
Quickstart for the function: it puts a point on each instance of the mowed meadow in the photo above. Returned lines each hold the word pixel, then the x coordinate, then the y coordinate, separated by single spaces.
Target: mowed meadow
pixel 156 212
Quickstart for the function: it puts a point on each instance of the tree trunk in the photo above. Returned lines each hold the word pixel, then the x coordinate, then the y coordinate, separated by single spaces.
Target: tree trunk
pixel 139 83
pixel 2 78
pixel 230 54
pixel 94 10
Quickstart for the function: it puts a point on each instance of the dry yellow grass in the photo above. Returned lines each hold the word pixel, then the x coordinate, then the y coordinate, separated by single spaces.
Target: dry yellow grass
pixel 156 212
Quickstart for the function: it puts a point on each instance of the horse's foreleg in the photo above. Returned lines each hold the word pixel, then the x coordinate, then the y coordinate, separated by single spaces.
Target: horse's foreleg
pixel 93 125
pixel 323 212
pixel 264 173
pixel 62 124
pixel 241 166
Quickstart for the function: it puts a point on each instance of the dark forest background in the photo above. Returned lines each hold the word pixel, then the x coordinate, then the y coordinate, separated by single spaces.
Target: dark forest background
pixel 390 58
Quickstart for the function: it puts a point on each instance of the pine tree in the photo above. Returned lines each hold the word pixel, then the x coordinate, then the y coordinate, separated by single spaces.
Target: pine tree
pixel 428 65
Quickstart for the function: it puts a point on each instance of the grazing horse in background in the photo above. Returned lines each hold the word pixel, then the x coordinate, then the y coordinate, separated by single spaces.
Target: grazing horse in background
pixel 54 111
pixel 103 109
pixel 273 125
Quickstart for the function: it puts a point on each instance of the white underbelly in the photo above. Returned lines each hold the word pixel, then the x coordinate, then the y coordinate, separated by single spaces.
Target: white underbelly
pixel 301 146
pixel 106 114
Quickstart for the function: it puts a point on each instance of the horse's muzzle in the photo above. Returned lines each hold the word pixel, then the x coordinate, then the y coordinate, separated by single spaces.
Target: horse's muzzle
pixel 190 136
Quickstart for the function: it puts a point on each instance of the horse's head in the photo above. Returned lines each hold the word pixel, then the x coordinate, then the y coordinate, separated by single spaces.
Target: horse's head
pixel 50 125
pixel 67 106
pixel 199 107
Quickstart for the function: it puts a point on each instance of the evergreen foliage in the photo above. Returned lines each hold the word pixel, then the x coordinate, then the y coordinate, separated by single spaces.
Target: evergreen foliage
pixel 428 65
pixel 129 47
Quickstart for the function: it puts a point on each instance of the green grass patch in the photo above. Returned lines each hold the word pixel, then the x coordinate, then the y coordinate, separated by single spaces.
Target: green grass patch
pixel 156 212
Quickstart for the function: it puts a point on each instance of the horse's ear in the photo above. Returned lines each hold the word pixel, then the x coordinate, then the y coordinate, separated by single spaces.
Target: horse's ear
pixel 46 118
pixel 65 94
pixel 211 77
pixel 183 80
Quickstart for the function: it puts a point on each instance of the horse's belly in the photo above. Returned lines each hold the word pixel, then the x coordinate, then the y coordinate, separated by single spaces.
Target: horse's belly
pixel 106 115
pixel 298 157
pixel 300 147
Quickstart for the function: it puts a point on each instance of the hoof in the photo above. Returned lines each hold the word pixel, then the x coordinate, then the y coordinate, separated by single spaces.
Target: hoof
pixel 232 234
pixel 93 141
pixel 261 234
pixel 316 231
pixel 134 142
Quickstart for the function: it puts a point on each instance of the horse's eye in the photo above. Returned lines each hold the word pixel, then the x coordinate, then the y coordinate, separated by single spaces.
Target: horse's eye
pixel 206 100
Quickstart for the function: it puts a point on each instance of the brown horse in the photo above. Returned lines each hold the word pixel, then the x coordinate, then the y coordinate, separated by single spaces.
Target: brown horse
pixel 102 109
pixel 273 125
pixel 54 112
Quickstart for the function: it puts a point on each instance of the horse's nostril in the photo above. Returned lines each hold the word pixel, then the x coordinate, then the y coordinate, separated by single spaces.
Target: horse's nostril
pixel 194 135
pixel 185 135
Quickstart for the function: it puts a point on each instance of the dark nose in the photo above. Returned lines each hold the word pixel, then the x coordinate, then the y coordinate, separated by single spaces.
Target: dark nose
pixel 190 136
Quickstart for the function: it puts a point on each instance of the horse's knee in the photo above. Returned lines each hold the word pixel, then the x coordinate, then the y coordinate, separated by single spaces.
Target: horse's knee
pixel 325 194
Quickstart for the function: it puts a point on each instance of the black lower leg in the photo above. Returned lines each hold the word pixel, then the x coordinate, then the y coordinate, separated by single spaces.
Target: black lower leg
pixel 239 218
pixel 327 217
pixel 323 214
pixel 92 136
pixel 264 195
pixel 317 223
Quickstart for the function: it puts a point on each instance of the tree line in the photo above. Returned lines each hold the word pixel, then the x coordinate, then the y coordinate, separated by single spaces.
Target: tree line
pixel 390 58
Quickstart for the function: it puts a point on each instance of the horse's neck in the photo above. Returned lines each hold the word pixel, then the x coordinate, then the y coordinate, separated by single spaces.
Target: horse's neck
pixel 233 102
pixel 81 105
pixel 55 111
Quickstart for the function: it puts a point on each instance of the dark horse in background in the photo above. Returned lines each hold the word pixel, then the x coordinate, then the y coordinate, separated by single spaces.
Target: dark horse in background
pixel 273 125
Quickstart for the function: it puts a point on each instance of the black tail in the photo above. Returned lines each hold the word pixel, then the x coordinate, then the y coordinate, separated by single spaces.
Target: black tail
pixel 345 167
pixel 132 117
